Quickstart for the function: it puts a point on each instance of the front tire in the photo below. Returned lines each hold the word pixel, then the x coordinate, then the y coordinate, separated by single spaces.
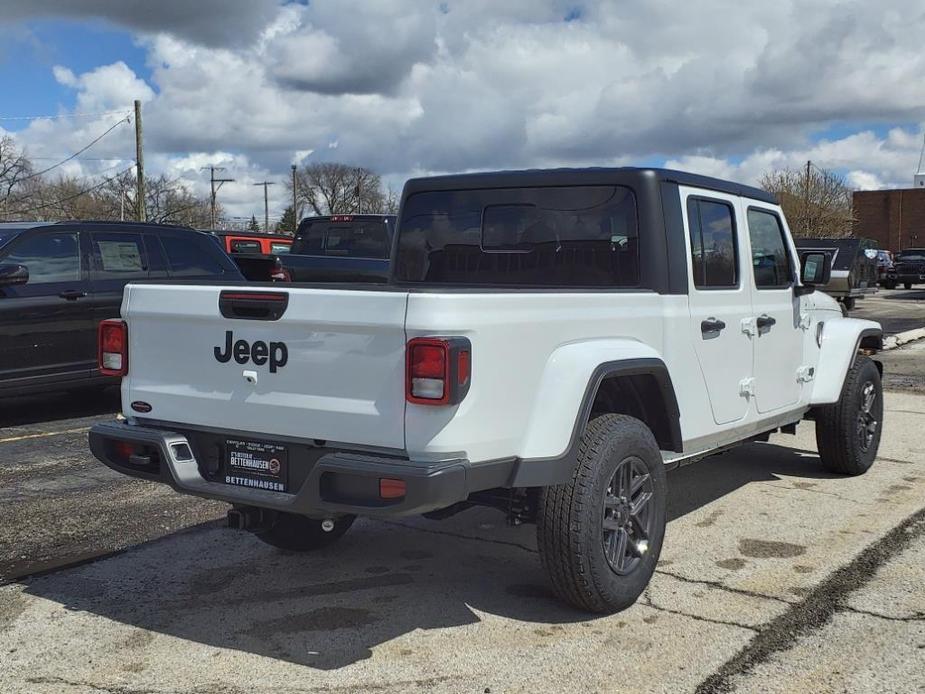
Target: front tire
pixel 848 431
pixel 600 534
pixel 907 285
pixel 302 534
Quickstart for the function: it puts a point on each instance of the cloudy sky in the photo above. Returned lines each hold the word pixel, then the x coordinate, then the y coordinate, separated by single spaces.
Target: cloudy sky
pixel 409 87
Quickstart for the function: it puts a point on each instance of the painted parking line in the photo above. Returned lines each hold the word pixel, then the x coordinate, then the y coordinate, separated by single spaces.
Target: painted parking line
pixel 45 434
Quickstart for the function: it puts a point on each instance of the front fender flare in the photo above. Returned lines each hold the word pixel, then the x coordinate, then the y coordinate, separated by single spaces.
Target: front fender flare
pixel 841 339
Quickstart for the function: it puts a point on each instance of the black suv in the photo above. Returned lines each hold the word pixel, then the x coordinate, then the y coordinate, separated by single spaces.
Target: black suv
pixel 58 280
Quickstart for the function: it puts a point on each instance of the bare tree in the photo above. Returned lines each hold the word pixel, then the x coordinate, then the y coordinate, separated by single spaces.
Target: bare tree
pixel 332 188
pixel 817 202
pixel 15 174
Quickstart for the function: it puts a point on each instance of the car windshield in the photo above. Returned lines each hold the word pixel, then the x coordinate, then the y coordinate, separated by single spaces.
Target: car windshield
pixel 349 238
pixel 7 235
pixel 911 255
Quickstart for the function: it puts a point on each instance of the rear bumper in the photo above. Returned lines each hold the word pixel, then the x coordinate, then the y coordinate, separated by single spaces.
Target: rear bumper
pixel 338 482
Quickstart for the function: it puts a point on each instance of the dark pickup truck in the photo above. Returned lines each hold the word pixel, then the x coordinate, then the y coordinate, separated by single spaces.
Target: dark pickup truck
pixel 909 267
pixel 854 267
pixel 341 248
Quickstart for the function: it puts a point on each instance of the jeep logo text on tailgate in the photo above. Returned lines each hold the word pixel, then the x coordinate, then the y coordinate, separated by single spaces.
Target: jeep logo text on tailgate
pixel 276 353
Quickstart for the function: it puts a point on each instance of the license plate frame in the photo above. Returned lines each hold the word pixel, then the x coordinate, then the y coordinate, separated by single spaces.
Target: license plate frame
pixel 256 465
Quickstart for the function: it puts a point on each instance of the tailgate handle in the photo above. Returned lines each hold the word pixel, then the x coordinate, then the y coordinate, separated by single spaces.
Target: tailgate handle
pixel 253 305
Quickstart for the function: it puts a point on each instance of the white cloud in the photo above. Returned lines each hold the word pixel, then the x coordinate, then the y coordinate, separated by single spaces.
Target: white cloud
pixel 406 86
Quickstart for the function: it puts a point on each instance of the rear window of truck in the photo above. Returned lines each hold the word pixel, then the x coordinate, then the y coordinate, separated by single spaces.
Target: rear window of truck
pixel 353 239
pixel 574 236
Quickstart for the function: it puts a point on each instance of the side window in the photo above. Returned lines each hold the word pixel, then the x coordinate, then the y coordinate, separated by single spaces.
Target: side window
pixel 48 257
pixel 118 256
pixel 192 255
pixel 245 246
pixel 769 250
pixel 714 252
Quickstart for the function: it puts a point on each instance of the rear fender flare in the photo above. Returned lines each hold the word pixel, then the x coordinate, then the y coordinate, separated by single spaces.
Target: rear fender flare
pixel 565 397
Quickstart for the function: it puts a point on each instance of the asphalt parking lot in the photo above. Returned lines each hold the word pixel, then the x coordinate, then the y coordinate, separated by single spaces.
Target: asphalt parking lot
pixel 775 576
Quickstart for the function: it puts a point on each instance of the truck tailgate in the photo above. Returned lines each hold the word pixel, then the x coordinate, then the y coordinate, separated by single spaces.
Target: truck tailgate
pixel 331 367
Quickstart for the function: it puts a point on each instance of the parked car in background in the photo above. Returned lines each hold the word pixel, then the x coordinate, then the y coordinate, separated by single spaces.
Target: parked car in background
pixel 886 270
pixel 910 267
pixel 59 280
pixel 854 267
pixel 341 248
pixel 250 242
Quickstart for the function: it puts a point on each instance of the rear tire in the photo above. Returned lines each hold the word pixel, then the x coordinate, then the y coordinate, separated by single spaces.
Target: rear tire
pixel 848 431
pixel 848 303
pixel 907 285
pixel 302 534
pixel 600 534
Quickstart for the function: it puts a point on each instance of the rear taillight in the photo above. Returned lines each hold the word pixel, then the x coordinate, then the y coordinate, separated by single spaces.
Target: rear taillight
pixel 113 348
pixel 438 370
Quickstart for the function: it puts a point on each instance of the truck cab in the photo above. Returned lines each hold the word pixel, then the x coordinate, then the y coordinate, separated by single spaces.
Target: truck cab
pixel 549 343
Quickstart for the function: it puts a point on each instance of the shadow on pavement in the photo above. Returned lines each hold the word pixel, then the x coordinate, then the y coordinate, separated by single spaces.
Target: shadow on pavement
pixel 696 485
pixel 328 609
pixel 50 407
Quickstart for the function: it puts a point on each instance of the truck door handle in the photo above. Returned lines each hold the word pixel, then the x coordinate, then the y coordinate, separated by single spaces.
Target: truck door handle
pixel 72 294
pixel 712 325
pixel 765 321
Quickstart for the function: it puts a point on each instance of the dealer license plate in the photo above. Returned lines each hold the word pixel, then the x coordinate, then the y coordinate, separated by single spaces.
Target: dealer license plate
pixel 256 465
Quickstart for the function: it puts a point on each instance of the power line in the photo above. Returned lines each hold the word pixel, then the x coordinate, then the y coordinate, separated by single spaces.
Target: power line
pixel 77 153
pixel 64 115
pixel 70 197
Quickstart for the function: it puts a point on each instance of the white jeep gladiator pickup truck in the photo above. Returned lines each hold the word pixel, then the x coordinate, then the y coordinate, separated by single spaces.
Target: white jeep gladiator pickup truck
pixel 550 343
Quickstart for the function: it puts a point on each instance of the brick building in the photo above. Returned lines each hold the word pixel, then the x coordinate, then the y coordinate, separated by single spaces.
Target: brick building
pixel 893 218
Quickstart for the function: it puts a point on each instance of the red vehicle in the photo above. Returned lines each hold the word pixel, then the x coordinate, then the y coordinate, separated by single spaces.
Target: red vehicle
pixel 235 242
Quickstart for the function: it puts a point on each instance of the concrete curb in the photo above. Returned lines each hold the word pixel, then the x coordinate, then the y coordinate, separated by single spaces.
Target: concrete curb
pixel 900 339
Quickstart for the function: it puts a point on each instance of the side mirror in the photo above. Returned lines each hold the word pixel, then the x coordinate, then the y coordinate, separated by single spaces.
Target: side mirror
pixel 13 274
pixel 815 271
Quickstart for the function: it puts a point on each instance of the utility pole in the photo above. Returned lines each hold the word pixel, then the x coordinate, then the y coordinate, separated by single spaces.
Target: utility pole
pixel 140 165
pixel 266 205
pixel 295 214
pixel 213 181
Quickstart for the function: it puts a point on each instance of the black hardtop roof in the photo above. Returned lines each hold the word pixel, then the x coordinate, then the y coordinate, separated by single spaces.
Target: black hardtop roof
pixel 627 175
pixel 328 217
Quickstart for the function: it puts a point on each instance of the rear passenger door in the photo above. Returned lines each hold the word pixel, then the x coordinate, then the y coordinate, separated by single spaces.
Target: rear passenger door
pixel 719 300
pixel 779 341
pixel 118 257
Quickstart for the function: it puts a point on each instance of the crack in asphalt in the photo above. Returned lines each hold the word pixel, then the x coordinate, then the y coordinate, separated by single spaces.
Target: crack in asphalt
pixel 648 602
pixel 917 617
pixel 817 608
pixel 115 689
pixel 722 586
pixel 835 495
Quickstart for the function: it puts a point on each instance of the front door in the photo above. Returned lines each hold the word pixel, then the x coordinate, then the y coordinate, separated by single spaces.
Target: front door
pixel 47 324
pixel 719 301
pixel 779 342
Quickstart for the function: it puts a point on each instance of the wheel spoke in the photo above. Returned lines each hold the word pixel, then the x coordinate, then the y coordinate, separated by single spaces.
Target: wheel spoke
pixel 622 540
pixel 639 532
pixel 638 483
pixel 640 503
